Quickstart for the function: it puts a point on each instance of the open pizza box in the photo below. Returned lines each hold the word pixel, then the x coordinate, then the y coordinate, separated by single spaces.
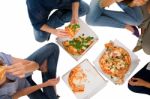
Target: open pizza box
pixel 94 81
pixel 84 30
pixel 134 62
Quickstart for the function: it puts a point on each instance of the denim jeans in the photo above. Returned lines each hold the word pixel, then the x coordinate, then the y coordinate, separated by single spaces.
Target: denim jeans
pixel 99 16
pixel 145 75
pixel 62 15
pixel 49 52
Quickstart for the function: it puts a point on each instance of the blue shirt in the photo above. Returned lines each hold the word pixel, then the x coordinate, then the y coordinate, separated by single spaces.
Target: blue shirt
pixel 9 89
pixel 39 10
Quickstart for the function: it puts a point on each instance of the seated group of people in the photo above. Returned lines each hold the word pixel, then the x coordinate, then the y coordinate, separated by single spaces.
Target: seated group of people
pixel 17 79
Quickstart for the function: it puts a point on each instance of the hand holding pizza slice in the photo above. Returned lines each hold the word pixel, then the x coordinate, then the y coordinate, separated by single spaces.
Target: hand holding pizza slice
pixel 72 29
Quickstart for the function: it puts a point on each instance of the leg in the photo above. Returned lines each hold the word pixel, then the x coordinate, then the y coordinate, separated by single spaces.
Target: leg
pixel 49 52
pixel 37 94
pixel 131 16
pixel 51 73
pixel 143 74
pixel 41 36
pixel 64 14
pixel 97 17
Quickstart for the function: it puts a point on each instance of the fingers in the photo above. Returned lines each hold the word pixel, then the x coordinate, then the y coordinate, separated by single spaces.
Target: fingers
pixel 61 33
pixel 17 70
pixel 134 81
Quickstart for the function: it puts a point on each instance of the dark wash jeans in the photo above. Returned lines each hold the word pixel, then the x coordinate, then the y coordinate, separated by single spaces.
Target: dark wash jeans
pixel 145 75
pixel 49 52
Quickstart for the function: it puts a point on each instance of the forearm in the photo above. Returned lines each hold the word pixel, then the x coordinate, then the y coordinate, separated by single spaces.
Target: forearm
pixel 75 9
pixel 47 29
pixel 27 91
pixel 31 66
pixel 147 85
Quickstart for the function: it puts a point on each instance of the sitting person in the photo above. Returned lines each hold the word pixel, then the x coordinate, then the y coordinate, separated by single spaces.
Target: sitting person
pixel 140 82
pixel 44 23
pixel 15 74
pixel 129 18
pixel 144 42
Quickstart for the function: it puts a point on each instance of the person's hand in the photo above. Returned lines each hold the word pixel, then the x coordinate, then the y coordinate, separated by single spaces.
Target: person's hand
pixel 74 21
pixel 137 3
pixel 52 82
pixel 106 3
pixel 137 82
pixel 18 70
pixel 60 33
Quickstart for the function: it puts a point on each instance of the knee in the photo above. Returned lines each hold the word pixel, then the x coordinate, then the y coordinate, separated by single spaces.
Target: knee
pixel 53 46
pixel 41 36
pixel 90 20
pixel 40 39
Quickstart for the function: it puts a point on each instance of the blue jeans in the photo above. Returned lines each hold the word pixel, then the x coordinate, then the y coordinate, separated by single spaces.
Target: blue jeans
pixel 58 18
pixel 99 16
pixel 145 75
pixel 49 52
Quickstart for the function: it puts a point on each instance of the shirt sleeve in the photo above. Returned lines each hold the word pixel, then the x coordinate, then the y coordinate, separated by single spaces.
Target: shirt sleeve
pixel 37 13
pixel 6 58
pixel 5 97
pixel 76 0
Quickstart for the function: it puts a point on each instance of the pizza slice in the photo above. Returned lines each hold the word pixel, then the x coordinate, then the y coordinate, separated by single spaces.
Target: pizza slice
pixel 77 79
pixel 72 29
pixel 2 72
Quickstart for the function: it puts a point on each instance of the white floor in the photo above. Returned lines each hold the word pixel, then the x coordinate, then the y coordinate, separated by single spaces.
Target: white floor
pixel 16 38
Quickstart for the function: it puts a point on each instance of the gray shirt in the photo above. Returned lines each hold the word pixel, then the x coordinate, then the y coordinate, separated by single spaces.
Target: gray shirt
pixel 146 25
pixel 9 89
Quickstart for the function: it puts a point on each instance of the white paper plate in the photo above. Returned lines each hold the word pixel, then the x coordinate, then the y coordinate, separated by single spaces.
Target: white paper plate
pixel 95 82
pixel 134 61
pixel 84 29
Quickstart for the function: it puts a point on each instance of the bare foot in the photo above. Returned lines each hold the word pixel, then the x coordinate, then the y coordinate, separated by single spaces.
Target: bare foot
pixel 130 28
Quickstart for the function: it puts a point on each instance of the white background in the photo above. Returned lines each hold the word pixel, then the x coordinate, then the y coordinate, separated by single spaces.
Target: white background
pixel 16 38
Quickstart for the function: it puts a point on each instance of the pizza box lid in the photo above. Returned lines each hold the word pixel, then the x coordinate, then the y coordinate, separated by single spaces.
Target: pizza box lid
pixel 134 62
pixel 94 83
pixel 84 29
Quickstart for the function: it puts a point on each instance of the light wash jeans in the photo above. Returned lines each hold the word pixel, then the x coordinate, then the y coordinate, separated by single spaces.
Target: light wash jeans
pixel 59 18
pixel 49 52
pixel 99 16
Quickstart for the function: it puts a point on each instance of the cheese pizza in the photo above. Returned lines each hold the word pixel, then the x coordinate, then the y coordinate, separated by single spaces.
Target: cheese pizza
pixel 77 79
pixel 115 62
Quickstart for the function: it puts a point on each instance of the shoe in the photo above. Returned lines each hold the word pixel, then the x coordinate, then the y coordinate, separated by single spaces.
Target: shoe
pixel 58 96
pixel 136 31
pixel 138 45
pixel 137 48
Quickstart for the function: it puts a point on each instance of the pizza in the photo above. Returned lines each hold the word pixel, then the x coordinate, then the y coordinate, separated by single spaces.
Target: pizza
pixel 72 29
pixel 78 45
pixel 2 72
pixel 77 79
pixel 115 62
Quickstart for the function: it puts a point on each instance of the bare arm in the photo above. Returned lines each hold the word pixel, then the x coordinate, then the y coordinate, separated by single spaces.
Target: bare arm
pixel 75 12
pixel 57 32
pixel 139 82
pixel 29 90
